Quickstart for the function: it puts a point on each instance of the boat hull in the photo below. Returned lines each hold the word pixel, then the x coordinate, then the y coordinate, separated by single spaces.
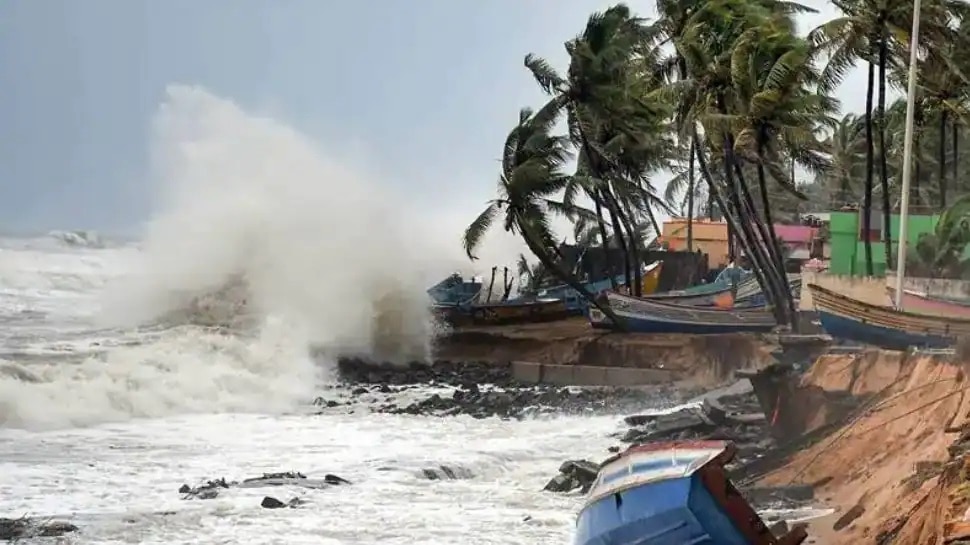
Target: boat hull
pixel 931 306
pixel 842 327
pixel 643 315
pixel 850 319
pixel 504 314
pixel 671 493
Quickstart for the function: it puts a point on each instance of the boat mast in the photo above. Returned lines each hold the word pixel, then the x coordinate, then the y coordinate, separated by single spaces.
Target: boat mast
pixel 907 158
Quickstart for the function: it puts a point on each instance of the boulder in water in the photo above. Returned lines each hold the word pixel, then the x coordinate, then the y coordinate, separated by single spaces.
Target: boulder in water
pixel 26 528
pixel 574 474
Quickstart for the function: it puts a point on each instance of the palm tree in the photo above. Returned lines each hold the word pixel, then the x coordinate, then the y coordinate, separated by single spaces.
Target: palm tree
pixel 531 277
pixel 845 147
pixel 707 98
pixel 533 162
pixel 877 32
pixel 615 120
pixel 770 68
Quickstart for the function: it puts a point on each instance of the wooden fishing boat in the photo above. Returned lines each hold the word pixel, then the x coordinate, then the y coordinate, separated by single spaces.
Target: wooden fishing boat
pixel 646 315
pixel 847 318
pixel 455 290
pixel 577 304
pixel 668 493
pixel 712 295
pixel 921 303
pixel 516 311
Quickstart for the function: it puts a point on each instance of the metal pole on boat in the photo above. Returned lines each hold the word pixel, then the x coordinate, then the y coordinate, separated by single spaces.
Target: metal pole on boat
pixel 907 158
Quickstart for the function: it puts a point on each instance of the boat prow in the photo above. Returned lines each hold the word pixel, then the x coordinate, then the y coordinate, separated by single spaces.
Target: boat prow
pixel 672 493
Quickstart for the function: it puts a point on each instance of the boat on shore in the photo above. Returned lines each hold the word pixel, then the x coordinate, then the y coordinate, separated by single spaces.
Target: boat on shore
pixel 668 493
pixel 515 311
pixel 846 318
pixel 921 303
pixel 645 315
pixel 577 304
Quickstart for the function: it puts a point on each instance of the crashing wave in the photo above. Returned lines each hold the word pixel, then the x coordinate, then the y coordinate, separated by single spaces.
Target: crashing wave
pixel 226 308
pixel 81 239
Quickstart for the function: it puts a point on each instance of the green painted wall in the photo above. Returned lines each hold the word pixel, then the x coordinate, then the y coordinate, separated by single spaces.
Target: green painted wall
pixel 848 252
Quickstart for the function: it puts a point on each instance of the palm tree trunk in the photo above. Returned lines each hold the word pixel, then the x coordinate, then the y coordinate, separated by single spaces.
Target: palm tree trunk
pixel 942 152
pixel 633 240
pixel 491 284
pixel 775 288
pixel 770 256
pixel 867 196
pixel 607 257
pixel 690 200
pixel 506 284
pixel 714 194
pixel 614 214
pixel 557 271
pixel 780 262
pixel 917 160
pixel 956 148
pixel 883 163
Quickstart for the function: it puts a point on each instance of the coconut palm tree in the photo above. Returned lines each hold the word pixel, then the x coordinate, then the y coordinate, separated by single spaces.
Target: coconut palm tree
pixel 846 149
pixel 533 171
pixel 877 32
pixel 615 121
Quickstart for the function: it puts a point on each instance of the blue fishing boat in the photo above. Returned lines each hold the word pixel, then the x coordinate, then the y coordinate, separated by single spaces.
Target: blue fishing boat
pixel 455 290
pixel 672 493
pixel 577 304
pixel 850 319
pixel 644 315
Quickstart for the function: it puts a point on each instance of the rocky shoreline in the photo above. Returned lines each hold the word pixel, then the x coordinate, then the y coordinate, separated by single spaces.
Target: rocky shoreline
pixel 779 443
pixel 480 389
pixel 485 389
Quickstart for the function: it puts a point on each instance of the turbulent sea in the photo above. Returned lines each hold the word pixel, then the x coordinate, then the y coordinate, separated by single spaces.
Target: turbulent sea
pixel 102 425
pixel 114 391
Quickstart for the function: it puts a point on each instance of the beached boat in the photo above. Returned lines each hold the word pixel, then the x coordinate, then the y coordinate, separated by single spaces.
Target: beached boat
pixel 455 290
pixel 850 319
pixel 751 294
pixel 644 315
pixel 716 294
pixel 672 493
pixel 577 304
pixel 921 303
pixel 516 311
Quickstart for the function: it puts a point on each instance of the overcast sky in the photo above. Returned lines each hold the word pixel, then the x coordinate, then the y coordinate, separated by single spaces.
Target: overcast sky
pixel 428 88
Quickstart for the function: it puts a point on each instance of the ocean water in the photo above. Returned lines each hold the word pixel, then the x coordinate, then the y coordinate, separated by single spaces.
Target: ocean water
pixel 115 389
pixel 117 385
pixel 103 425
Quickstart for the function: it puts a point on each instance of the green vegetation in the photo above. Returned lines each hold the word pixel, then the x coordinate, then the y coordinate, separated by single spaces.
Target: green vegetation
pixel 731 99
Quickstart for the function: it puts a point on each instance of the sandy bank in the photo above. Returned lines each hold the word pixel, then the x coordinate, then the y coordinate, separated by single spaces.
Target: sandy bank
pixel 882 467
pixel 702 359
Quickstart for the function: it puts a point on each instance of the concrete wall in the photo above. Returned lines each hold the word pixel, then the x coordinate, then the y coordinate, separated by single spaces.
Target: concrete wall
pixel 873 290
pixel 587 375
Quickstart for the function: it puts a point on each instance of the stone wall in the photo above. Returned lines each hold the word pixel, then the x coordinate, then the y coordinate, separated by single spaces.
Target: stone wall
pixel 873 289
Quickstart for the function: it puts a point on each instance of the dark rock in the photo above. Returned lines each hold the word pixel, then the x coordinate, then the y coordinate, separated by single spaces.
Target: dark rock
pixel 848 517
pixel 779 529
pixel 334 479
pixel 270 502
pixel 26 528
pixel 574 474
pixel 444 472
pixel 211 489
pixel 782 495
